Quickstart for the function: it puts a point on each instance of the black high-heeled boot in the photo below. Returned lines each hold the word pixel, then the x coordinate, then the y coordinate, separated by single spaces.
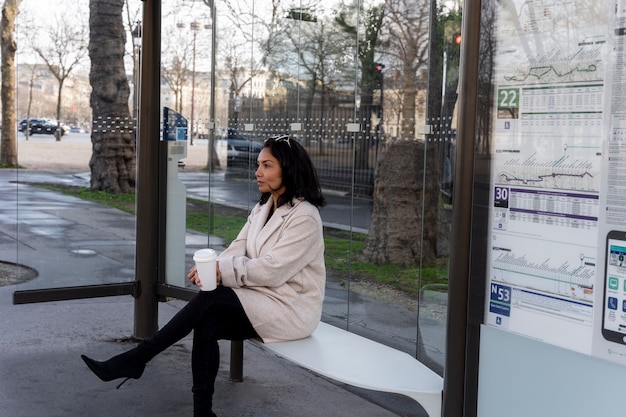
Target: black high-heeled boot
pixel 202 404
pixel 126 365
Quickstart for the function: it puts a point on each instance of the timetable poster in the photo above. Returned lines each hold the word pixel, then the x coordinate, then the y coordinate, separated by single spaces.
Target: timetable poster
pixel 609 340
pixel 547 155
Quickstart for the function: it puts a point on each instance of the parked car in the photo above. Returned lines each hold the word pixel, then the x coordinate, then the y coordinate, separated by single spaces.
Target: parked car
pixel 242 153
pixel 77 129
pixel 233 133
pixel 20 125
pixel 47 126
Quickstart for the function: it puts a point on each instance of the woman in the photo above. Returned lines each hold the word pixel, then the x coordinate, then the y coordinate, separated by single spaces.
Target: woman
pixel 270 279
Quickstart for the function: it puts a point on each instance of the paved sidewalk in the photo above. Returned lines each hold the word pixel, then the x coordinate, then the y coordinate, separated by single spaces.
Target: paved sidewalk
pixel 74 242
pixel 41 373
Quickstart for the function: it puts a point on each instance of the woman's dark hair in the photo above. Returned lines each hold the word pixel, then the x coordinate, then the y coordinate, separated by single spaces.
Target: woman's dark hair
pixel 299 175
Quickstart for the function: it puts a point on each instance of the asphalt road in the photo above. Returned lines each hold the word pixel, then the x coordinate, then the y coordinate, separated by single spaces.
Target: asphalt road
pixel 72 154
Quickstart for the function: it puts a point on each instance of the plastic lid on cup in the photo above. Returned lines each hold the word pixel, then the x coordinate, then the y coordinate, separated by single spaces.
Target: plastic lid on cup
pixel 204 255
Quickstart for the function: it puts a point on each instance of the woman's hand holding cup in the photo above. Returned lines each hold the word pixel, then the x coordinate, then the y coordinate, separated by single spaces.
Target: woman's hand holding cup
pixel 193 276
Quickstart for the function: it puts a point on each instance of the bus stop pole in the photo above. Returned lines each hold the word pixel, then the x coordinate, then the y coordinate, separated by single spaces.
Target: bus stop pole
pixel 147 228
pixel 460 373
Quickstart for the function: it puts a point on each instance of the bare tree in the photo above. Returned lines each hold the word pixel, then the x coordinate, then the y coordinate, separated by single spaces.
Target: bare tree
pixel 405 38
pixel 29 105
pixel 316 49
pixel 135 29
pixel 62 53
pixel 8 46
pixel 366 37
pixel 406 195
pixel 113 160
pixel 177 72
pixel 183 45
pixel 259 32
pixel 239 69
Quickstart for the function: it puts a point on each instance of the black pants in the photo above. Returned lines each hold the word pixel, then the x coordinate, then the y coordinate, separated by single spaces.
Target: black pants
pixel 212 315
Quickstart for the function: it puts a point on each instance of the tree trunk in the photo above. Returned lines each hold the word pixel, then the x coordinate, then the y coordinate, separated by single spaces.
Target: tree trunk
pixel 8 148
pixel 59 132
pixel 399 232
pixel 113 160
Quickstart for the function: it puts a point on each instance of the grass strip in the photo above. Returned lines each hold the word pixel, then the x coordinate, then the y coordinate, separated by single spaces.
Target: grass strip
pixel 342 248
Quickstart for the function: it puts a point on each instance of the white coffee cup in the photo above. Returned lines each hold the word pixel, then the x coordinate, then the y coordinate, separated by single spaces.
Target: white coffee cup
pixel 205 264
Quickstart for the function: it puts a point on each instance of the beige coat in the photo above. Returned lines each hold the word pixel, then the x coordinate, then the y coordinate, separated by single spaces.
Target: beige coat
pixel 277 270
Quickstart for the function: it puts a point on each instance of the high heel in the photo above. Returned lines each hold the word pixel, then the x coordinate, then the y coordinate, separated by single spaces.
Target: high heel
pixel 126 365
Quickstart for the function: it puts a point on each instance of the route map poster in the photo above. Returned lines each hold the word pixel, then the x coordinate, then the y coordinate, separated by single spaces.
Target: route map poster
pixel 554 77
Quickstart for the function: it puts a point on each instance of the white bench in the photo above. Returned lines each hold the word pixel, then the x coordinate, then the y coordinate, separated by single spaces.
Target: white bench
pixel 361 362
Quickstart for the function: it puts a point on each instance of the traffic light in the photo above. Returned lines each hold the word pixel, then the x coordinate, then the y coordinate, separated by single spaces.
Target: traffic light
pixel 457 38
pixel 377 75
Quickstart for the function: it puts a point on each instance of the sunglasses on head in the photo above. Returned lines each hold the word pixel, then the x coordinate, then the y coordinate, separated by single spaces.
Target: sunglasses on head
pixel 283 138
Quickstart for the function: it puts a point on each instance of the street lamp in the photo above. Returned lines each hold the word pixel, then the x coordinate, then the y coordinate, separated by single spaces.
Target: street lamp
pixel 195 26
pixel 212 156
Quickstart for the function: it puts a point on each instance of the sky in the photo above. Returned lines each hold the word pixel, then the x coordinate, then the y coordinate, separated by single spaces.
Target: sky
pixel 43 14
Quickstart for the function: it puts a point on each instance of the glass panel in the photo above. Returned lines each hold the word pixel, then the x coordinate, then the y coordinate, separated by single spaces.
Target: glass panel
pixel 57 218
pixel 357 88
pixel 372 99
pixel 186 82
pixel 368 88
